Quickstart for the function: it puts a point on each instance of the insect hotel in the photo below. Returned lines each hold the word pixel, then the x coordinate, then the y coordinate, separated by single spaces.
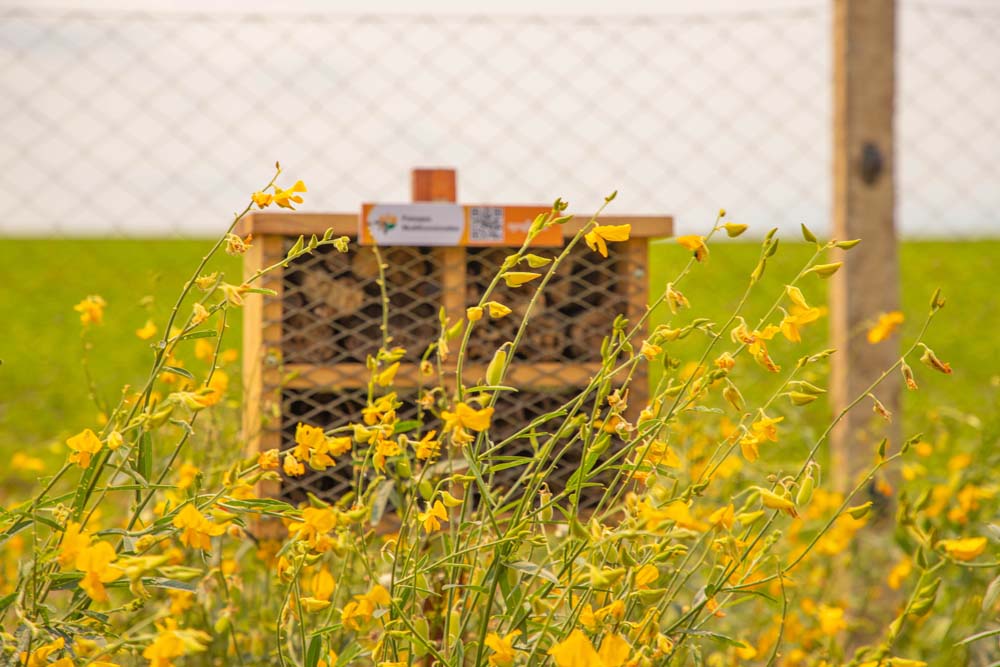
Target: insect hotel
pixel 305 347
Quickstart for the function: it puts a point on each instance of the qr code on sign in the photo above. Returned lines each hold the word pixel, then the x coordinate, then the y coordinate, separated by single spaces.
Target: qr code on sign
pixel 486 224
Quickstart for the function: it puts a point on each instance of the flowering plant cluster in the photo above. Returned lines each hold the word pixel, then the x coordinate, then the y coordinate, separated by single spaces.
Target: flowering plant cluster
pixel 708 543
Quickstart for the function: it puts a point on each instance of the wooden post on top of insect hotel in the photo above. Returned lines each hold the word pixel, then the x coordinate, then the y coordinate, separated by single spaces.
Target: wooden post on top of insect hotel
pixel 430 185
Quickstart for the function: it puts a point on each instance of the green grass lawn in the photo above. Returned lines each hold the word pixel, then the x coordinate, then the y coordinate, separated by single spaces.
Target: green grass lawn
pixel 43 387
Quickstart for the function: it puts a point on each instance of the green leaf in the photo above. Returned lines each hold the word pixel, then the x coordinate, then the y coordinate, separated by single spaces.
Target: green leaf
pixel 198 334
pixel 172 584
pixel 714 636
pixel 258 505
pixel 6 601
pixel 144 464
pixel 381 500
pixel 312 654
pixel 178 371
pixel 535 570
pixel 991 595
pixel 406 426
pixel 979 635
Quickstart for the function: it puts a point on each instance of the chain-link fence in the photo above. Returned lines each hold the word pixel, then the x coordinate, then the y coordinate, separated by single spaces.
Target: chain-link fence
pixel 155 124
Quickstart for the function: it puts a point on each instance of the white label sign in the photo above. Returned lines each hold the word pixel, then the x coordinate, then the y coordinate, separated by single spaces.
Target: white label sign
pixel 421 224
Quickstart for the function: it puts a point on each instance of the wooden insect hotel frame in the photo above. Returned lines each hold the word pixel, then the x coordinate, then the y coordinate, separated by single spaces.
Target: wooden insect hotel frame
pixel 305 347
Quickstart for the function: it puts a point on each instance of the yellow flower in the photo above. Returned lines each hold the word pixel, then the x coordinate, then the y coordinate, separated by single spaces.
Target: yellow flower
pixel 292 467
pixel 465 417
pixel 213 392
pixel 723 516
pixel 269 459
pixel 95 562
pixel 427 447
pixel 766 427
pixel 233 293
pixel 384 448
pixel 146 331
pixel 199 314
pixel 316 523
pixel 385 377
pixel 21 461
pixel 307 438
pixel 196 530
pixel 649 350
pixel 831 620
pixel 432 518
pixel 504 652
pixel 575 651
pixel 164 649
pixel 84 445
pixel 598 237
pixel 763 429
pixel 885 326
pixel 203 350
pixel 965 548
pixel 614 651
pixel 773 501
pixel 676 511
pixel 646 576
pixel 518 278
pixel 236 245
pixel 40 656
pixel 73 542
pixel 187 474
pixel 799 316
pixel 322 585
pixel 497 309
pixel 695 244
pixel 262 199
pixel 382 410
pixel 207 281
pixel 675 299
pixel 899 573
pixel 474 313
pixel 363 606
pixel 285 198
pixel 91 310
pixel 578 651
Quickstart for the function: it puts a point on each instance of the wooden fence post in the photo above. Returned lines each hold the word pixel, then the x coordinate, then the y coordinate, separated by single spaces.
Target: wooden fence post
pixel 863 207
pixel 868 284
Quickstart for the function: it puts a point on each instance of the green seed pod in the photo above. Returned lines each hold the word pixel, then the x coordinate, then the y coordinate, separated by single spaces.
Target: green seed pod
pixel 860 511
pixel 425 489
pixel 221 624
pixel 403 468
pixel 544 498
pixel 807 234
pixel 805 490
pixel 800 398
pixel 733 397
pixel 494 372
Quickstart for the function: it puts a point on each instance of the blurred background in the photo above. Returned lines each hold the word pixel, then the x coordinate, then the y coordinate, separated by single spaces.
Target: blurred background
pixel 133 130
pixel 146 118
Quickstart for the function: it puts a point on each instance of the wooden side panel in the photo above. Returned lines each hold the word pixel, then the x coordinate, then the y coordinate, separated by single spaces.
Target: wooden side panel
pixel 262 316
pixel 637 289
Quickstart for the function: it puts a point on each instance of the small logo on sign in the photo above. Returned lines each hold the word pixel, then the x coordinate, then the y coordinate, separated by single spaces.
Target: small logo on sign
pixel 385 223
